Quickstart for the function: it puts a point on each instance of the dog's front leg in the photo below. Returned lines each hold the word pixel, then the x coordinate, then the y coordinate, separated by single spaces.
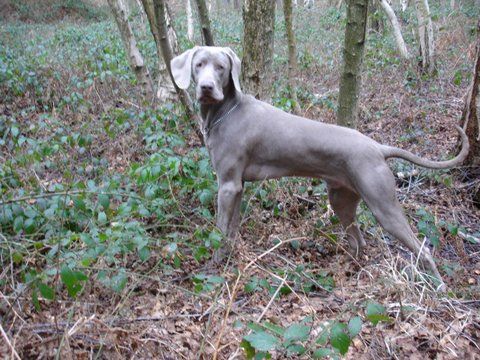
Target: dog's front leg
pixel 228 213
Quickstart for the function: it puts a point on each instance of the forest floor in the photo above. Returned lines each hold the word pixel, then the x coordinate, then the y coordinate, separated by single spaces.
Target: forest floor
pixel 107 206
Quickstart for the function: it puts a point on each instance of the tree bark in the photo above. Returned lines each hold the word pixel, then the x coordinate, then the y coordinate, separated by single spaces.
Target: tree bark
pixel 397 32
pixel 167 53
pixel 165 88
pixel 189 20
pixel 355 33
pixel 471 115
pixel 129 42
pixel 425 36
pixel 205 23
pixel 259 26
pixel 292 53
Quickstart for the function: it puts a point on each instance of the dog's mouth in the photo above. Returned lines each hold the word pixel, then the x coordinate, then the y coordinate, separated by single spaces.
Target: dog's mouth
pixel 208 100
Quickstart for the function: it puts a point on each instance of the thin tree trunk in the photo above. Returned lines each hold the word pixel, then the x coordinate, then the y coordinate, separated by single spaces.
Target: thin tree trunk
pixel 355 33
pixel 205 23
pixel 165 88
pixel 259 26
pixel 189 20
pixel 128 38
pixel 292 53
pixel 397 32
pixel 425 35
pixel 167 53
pixel 471 115
pixel 143 17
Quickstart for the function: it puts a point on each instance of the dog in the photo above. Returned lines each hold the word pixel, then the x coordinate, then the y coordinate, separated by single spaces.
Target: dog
pixel 250 140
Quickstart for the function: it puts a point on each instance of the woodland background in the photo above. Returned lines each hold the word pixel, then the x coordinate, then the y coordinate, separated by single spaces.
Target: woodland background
pixel 108 199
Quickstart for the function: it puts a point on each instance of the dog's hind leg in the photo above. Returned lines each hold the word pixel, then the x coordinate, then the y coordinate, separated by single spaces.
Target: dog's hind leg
pixel 377 188
pixel 344 203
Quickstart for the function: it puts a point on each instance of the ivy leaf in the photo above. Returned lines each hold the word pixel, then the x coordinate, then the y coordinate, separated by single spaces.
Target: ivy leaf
pixel 295 349
pixel 262 341
pixel 354 326
pixel 144 253
pixel 118 282
pixel 102 217
pixel 296 332
pixel 72 280
pixel 341 342
pixel 46 291
pixel 321 353
pixel 249 349
pixel 104 200
pixel 206 197
pixel 375 312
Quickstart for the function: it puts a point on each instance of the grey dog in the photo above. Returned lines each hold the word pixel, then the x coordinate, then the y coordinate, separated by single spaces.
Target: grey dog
pixel 250 140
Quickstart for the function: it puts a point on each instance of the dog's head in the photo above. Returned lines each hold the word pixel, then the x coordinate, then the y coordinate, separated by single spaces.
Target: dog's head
pixel 213 69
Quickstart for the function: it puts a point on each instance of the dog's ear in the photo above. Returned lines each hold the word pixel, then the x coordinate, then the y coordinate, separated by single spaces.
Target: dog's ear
pixel 236 67
pixel 182 68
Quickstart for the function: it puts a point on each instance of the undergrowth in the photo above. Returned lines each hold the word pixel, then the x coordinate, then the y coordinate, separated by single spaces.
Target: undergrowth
pixel 96 181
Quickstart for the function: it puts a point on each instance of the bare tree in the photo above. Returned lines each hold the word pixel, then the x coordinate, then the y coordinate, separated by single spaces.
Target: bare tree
pixel 355 33
pixel 425 35
pixel 259 26
pixel 160 26
pixel 292 53
pixel 397 31
pixel 165 88
pixel 189 20
pixel 160 12
pixel 205 23
pixel 135 58
pixel 471 116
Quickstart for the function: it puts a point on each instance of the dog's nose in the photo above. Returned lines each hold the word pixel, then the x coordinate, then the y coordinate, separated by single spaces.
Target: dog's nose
pixel 207 87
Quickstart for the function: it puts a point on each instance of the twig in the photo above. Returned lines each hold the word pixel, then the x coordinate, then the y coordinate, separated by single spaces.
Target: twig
pixel 469 237
pixel 272 299
pixel 235 290
pixel 47 327
pixel 4 334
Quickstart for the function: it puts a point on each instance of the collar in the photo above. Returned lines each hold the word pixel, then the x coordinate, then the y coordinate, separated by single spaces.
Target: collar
pixel 206 130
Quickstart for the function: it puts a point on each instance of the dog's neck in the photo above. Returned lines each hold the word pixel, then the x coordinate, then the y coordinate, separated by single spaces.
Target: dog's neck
pixel 211 112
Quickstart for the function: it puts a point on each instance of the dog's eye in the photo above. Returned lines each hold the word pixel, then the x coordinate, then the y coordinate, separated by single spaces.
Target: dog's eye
pixel 220 68
pixel 199 65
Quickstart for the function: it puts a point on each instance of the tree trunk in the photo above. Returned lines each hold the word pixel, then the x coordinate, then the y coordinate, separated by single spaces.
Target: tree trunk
pixel 189 21
pixel 205 23
pixel 167 52
pixel 165 88
pixel 158 17
pixel 471 116
pixel 397 32
pixel 355 32
pixel 143 18
pixel 292 53
pixel 425 36
pixel 259 25
pixel 128 38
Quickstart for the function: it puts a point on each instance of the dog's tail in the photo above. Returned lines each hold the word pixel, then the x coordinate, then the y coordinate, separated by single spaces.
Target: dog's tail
pixel 390 151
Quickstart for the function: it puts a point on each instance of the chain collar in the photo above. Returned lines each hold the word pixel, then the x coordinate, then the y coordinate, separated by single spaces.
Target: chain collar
pixel 206 130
